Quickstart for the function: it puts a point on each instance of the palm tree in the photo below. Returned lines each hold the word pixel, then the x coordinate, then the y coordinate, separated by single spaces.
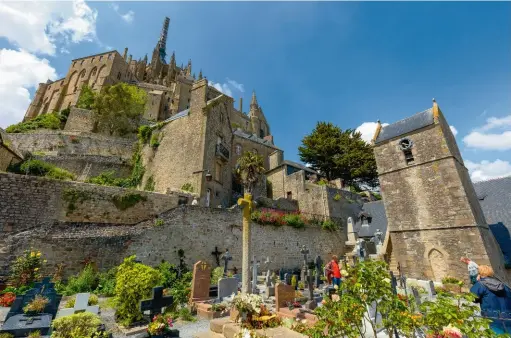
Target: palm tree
pixel 249 169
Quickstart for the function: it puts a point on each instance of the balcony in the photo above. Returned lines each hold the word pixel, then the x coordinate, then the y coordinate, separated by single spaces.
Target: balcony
pixel 222 152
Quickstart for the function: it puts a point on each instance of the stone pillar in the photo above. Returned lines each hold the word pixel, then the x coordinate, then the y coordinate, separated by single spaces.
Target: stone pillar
pixel 246 203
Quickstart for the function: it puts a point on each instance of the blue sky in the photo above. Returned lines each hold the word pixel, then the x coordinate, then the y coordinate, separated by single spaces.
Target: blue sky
pixel 349 63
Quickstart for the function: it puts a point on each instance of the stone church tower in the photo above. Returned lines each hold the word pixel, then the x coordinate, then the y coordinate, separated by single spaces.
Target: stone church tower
pixel 434 216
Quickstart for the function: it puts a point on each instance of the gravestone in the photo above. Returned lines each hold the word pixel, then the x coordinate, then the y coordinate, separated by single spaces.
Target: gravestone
pixel 155 305
pixel 284 294
pixel 226 257
pixel 81 305
pixel 20 325
pixel 371 248
pixel 270 291
pixel 267 278
pixel 431 290
pixel 226 287
pixel 318 262
pixel 200 281
pixel 45 289
pixel 311 303
pixel 303 274
pixel 417 296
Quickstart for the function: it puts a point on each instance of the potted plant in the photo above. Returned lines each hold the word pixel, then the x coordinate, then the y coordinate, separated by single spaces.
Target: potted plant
pixel 36 306
pixel 161 327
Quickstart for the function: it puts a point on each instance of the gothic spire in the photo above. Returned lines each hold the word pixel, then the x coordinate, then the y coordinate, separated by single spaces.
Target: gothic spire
pixel 253 102
pixel 162 42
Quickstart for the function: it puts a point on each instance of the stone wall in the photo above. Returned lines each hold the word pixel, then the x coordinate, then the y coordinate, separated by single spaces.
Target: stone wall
pixel 80 120
pixel 7 158
pixel 56 143
pixel 98 164
pixel 38 216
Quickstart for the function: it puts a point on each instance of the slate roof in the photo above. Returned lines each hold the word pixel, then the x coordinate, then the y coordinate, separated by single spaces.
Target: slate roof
pixel 494 197
pixel 299 166
pixel 376 211
pixel 414 122
pixel 252 137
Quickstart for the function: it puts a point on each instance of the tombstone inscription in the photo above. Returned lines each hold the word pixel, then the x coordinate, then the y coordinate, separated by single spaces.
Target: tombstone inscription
pixel 200 281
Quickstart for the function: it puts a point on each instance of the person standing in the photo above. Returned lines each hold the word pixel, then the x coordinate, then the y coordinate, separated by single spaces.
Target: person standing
pixel 473 269
pixel 494 297
pixel 335 271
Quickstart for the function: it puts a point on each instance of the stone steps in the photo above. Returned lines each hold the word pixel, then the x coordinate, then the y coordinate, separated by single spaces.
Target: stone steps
pixel 225 328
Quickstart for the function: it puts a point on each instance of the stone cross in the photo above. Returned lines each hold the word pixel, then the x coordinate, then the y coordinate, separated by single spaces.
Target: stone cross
pixel 247 205
pixel 226 257
pixel 156 304
pixel 378 235
pixel 81 305
pixel 304 251
pixel 217 254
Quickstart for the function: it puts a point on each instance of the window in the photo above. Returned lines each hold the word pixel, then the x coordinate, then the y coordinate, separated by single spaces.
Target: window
pixel 238 149
pixel 101 58
pixel 74 63
pixel 92 60
pixel 221 118
pixel 94 71
pixel 261 133
pixel 218 172
pixel 406 146
pixel 81 63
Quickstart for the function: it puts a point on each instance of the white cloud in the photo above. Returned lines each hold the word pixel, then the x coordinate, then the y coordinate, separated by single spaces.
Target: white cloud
pixel 228 87
pixel 454 130
pixel 500 139
pixel 129 16
pixel 367 129
pixel 486 170
pixel 236 85
pixel 19 71
pixel 38 26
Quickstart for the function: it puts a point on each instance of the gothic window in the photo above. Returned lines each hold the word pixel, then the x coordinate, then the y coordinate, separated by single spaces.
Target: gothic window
pixel 238 149
pixel 406 147
pixel 94 70
pixel 82 74
pixel 92 60
pixel 81 63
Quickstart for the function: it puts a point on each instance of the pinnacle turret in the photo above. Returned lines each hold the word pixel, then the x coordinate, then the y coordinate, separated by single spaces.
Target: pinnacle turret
pixel 253 102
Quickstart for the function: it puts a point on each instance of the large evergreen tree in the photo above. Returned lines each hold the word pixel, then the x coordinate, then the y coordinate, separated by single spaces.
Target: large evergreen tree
pixel 339 154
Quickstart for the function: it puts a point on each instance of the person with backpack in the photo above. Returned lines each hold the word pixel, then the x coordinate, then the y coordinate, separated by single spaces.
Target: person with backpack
pixel 494 297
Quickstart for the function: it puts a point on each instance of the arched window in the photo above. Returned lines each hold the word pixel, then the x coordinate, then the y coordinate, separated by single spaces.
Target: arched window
pixel 81 63
pixel 94 71
pixel 92 60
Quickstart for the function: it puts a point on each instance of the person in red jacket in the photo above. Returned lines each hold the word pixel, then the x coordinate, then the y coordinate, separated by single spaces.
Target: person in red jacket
pixel 335 271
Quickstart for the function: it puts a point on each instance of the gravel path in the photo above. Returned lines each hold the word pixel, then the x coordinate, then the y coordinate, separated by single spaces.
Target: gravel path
pixel 188 329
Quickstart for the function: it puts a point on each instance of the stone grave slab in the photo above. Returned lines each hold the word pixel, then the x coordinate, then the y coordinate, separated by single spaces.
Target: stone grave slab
pixel 226 287
pixel 157 303
pixel 20 325
pixel 283 295
pixel 81 305
pixel 200 281
pixel 270 291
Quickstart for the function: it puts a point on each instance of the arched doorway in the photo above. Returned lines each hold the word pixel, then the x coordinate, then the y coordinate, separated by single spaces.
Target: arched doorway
pixel 438 264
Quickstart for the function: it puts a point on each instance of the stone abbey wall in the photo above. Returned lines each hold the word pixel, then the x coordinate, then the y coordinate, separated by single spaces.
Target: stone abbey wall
pixel 36 214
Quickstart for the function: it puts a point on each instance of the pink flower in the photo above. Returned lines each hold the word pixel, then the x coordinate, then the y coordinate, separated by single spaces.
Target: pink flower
pixel 452 332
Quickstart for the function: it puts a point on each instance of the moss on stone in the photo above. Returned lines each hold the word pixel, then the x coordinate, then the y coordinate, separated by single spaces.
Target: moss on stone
pixel 74 196
pixel 125 201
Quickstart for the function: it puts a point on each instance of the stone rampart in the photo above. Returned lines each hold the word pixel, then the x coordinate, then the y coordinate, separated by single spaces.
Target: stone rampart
pixel 73 222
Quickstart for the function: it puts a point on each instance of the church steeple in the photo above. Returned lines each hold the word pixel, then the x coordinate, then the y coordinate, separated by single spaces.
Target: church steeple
pixel 161 46
pixel 253 103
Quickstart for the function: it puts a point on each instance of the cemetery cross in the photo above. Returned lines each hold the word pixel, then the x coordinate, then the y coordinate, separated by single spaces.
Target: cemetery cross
pixel 216 253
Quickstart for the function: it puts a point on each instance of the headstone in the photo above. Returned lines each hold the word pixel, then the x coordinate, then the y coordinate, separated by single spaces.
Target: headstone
pixel 43 288
pixel 226 287
pixel 284 294
pixel 417 296
pixel 20 325
pixel 431 289
pixel 304 251
pixel 267 278
pixel 200 281
pixel 318 262
pixel 226 257
pixel 157 303
pixel 393 283
pixel 81 305
pixel 371 248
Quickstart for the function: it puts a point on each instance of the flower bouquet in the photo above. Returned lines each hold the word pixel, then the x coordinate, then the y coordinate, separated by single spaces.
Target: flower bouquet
pixel 247 305
pixel 36 306
pixel 161 327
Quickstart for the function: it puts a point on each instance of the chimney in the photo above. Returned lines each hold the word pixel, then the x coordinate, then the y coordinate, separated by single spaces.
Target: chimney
pixel 241 105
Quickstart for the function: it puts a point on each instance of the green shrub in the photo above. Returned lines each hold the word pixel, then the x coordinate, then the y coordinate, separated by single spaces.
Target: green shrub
pixel 127 200
pixel 337 197
pixel 26 269
pixel 216 274
pixel 182 288
pixel 135 282
pixel 155 140
pixel 294 220
pixel 144 133
pixel 159 222
pixel 294 281
pixel 106 283
pixel 41 168
pixel 34 334
pixel 93 300
pixel 86 281
pixel 79 325
pixel 45 121
pixel 64 114
pixel 106 178
pixel 6 335
pixel 149 184
pixel 187 187
pixel 186 315
pixel 168 273
pixel 329 225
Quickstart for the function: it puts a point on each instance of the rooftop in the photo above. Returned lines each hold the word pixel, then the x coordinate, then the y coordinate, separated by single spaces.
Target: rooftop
pixel 254 138
pixel 405 126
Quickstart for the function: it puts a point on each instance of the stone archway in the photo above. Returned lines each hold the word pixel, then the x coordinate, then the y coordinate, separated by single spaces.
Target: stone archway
pixel 438 263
